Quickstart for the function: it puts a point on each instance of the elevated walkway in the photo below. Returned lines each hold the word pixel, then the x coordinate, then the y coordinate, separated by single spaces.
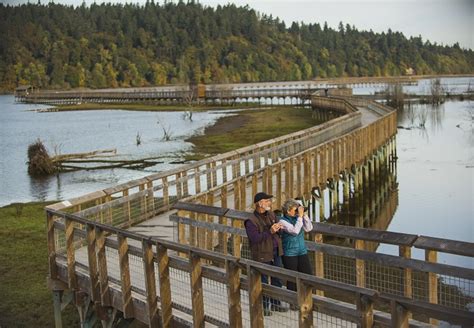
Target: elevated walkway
pixel 114 246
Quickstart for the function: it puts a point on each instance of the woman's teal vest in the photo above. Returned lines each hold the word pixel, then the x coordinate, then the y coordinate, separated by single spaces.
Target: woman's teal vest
pixel 293 245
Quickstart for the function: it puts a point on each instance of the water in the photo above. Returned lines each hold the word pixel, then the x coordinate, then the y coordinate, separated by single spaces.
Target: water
pixel 423 87
pixel 435 166
pixel 436 175
pixel 85 131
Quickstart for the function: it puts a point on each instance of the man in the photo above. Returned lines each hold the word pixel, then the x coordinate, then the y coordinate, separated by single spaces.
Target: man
pixel 265 243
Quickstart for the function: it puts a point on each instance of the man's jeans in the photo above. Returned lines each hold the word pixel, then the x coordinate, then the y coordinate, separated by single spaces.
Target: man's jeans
pixel 274 281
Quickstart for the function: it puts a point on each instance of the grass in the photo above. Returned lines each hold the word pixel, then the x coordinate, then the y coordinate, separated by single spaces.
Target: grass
pixel 25 299
pixel 251 127
pixel 142 107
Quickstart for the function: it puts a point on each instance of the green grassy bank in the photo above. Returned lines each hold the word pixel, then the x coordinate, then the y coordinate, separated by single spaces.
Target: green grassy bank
pixel 145 107
pixel 251 127
pixel 25 300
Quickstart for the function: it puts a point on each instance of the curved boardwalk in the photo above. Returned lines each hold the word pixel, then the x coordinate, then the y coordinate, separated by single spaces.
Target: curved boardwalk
pixel 114 245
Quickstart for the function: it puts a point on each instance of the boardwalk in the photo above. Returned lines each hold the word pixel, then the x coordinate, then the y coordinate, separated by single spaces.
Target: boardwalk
pixel 131 265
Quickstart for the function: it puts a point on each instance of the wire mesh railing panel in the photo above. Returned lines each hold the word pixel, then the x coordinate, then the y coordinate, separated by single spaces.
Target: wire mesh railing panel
pixel 180 287
pixel 340 269
pixel 420 286
pixel 215 300
pixel 137 276
pixel 60 241
pixel 113 265
pixel 325 320
pixel 456 292
pixel 384 278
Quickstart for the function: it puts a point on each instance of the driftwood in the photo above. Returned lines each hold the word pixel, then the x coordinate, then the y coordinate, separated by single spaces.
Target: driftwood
pixel 92 154
pixel 108 164
pixel 40 163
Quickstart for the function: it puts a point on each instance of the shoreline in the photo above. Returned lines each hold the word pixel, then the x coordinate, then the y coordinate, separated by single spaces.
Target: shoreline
pixel 142 107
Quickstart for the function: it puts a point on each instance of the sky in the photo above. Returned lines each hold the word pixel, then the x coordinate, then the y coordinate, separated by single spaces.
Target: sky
pixel 441 21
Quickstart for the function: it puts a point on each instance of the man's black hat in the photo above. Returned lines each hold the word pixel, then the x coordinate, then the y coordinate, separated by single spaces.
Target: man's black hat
pixel 261 195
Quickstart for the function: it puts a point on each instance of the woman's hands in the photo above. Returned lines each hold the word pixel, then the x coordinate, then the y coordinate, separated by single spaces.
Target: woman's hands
pixel 300 211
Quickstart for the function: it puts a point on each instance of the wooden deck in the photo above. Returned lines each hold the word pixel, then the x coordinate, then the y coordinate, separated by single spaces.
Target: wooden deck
pixel 115 245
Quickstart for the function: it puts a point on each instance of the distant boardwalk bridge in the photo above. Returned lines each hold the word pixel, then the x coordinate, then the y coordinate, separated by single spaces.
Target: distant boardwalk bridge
pixel 299 91
pixel 170 249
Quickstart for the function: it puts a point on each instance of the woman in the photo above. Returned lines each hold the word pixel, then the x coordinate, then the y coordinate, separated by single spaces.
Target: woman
pixel 293 224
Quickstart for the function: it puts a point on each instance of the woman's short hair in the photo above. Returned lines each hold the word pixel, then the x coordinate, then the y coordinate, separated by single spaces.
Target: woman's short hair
pixel 288 205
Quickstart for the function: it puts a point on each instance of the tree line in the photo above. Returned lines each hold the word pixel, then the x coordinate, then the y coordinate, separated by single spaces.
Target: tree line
pixel 131 45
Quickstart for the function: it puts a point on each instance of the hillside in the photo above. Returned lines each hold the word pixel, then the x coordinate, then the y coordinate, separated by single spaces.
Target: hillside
pixel 116 45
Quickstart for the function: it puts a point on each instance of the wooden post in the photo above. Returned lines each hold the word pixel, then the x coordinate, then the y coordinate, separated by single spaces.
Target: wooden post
pixel 126 208
pixel 243 192
pixel 197 296
pixel 102 267
pixel 109 212
pixel 223 220
pixel 269 180
pixel 184 176
pixel 305 302
pixel 432 256
pixel 255 297
pixel 299 183
pixel 201 232
pixel 254 183
pixel 360 265
pixel 236 194
pixel 214 174
pixel 141 188
pixel 127 303
pixel 71 261
pixel 400 315
pixel 166 196
pixel 53 270
pixel 208 176
pixel 192 231
pixel 288 179
pixel 405 252
pixel 319 261
pixel 233 294
pixel 209 232
pixel 91 256
pixel 321 204
pixel 237 239
pixel 179 186
pixel 165 287
pixel 150 285
pixel 366 308
pixel 224 171
pixel 307 176
pixel 278 186
pixel 197 180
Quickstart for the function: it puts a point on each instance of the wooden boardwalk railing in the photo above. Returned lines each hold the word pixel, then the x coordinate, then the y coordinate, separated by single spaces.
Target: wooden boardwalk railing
pixel 91 253
pixel 154 304
pixel 440 289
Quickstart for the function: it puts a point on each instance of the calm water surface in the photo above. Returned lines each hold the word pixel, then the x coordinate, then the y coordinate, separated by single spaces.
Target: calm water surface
pixel 84 131
pixel 436 174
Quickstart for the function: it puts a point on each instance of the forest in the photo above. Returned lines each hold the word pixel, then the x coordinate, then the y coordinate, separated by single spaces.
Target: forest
pixel 54 46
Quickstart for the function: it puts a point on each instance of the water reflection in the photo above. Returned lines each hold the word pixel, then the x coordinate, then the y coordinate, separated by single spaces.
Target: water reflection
pixel 40 187
pixel 372 206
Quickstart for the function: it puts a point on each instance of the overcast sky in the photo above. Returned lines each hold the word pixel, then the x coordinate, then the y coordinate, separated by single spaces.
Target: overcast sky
pixel 441 21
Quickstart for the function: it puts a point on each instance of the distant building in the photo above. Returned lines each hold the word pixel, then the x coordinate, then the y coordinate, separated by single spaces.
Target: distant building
pixel 409 71
pixel 23 90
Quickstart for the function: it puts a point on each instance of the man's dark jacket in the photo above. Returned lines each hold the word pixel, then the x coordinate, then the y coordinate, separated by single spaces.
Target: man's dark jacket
pixel 262 242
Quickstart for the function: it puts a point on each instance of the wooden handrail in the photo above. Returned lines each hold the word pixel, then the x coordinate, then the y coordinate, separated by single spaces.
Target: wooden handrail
pixel 365 297
pixel 387 237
